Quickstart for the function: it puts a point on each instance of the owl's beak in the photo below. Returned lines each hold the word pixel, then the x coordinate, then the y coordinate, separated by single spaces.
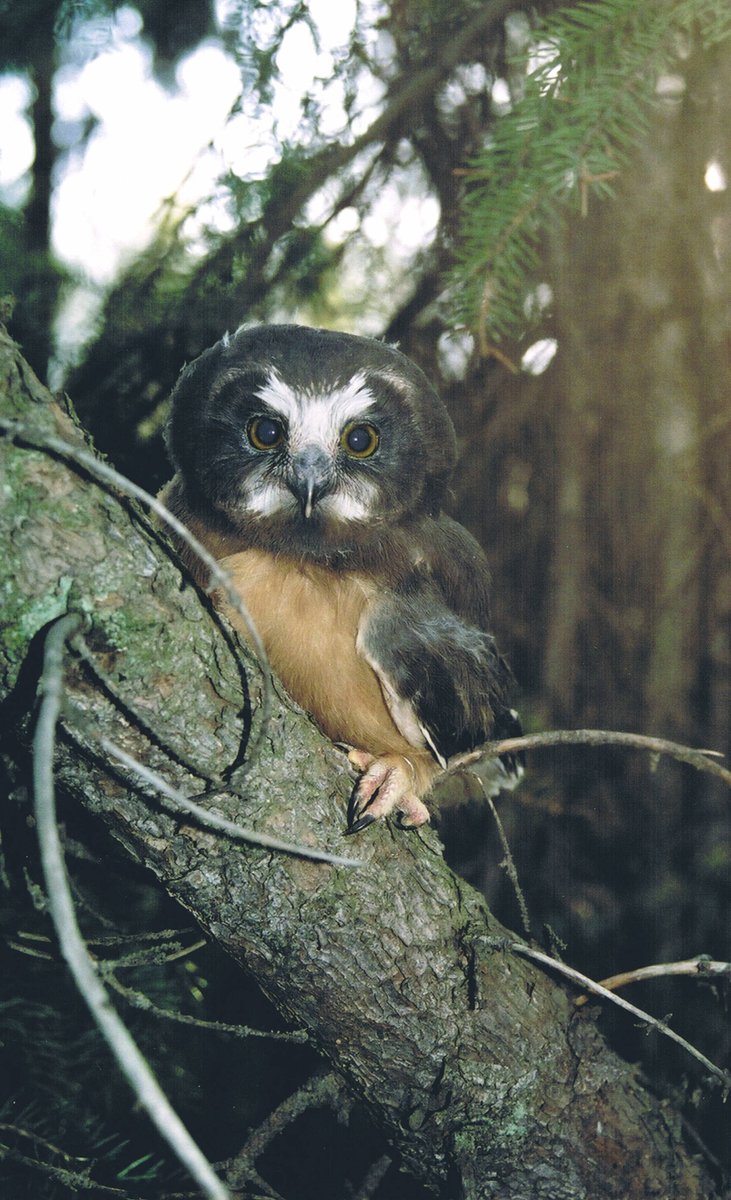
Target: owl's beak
pixel 310 477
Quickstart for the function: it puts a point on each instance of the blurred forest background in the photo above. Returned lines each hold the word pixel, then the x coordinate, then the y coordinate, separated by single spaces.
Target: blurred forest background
pixel 169 171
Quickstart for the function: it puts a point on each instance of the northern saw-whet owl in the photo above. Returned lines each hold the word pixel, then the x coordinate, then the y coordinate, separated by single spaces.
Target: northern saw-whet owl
pixel 313 465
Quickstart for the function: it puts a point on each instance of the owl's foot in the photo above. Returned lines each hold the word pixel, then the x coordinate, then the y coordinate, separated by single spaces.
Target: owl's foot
pixel 387 785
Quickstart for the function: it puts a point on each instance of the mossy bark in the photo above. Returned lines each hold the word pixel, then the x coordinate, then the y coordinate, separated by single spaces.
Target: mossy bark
pixel 476 1064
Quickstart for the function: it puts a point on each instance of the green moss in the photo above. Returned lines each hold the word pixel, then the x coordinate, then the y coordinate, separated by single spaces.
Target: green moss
pixel 22 619
pixel 45 608
pixel 503 1134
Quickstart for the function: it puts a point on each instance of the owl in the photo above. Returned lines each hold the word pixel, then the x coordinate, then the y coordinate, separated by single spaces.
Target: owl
pixel 313 465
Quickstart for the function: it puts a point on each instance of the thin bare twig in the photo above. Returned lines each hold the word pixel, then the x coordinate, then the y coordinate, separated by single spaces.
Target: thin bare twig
pixel 174 801
pixel 145 956
pixel 75 1181
pixel 605 737
pixel 29 951
pixel 322 1090
pixel 701 966
pixel 31 1136
pixel 135 718
pixel 590 985
pixel 173 937
pixel 143 1002
pixel 131 1062
pixel 184 951
pixel 508 861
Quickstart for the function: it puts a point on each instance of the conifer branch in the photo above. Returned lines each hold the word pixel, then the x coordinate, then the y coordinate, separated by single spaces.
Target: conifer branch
pixel 588 80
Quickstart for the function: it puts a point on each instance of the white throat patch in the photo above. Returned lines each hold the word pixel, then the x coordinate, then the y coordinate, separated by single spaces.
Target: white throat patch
pixel 353 501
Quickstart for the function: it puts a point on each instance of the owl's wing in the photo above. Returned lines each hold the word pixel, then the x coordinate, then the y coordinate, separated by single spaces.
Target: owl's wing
pixel 442 677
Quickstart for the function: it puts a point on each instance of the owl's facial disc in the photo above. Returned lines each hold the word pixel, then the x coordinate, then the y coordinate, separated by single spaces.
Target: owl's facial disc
pixel 308 436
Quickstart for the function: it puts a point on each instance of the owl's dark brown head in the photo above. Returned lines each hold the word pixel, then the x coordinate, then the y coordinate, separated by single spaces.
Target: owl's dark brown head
pixel 309 441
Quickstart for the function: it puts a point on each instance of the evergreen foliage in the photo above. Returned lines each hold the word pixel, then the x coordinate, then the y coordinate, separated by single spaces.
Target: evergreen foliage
pixel 583 85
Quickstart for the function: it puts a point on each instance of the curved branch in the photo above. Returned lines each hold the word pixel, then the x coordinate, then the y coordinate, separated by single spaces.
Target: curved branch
pixel 174 800
pixel 61 906
pixel 598 989
pixel 701 967
pixel 139 1000
pixel 605 737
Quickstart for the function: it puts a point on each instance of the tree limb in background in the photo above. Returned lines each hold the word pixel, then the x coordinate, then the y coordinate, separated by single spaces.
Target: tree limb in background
pixel 324 1091
pixel 161 314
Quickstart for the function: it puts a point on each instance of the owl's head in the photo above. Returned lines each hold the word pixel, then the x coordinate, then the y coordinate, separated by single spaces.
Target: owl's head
pixel 308 440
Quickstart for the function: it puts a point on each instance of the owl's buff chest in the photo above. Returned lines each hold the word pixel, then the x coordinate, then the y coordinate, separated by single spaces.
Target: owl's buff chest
pixel 308 619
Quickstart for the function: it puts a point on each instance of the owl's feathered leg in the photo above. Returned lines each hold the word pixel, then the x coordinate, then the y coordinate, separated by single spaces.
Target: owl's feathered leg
pixel 388 784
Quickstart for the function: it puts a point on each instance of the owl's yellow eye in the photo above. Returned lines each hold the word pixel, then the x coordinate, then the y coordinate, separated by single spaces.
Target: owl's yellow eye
pixel 265 433
pixel 359 440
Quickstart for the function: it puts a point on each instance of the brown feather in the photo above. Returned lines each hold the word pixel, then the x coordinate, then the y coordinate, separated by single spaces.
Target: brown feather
pixel 308 619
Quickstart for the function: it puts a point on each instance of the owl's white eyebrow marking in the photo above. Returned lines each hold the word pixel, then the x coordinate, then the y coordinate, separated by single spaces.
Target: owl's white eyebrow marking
pixel 314 416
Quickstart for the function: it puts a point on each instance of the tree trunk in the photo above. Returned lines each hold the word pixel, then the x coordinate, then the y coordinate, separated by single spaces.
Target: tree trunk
pixel 486 1079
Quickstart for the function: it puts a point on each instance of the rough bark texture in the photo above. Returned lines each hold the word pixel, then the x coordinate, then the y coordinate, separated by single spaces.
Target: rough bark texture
pixel 476 1064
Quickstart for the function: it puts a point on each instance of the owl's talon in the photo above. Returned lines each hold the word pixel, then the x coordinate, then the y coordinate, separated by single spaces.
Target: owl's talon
pixel 356 813
pixel 386 786
pixel 359 816
pixel 360 823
